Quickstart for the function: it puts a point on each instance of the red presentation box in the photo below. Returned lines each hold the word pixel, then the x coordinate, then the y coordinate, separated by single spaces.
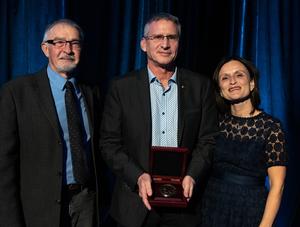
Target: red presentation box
pixel 167 169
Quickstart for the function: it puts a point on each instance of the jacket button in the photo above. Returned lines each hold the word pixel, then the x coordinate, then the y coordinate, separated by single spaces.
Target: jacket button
pixel 59 173
pixel 58 201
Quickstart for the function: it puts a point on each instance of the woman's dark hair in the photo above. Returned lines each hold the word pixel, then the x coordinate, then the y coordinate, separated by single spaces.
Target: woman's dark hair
pixel 223 104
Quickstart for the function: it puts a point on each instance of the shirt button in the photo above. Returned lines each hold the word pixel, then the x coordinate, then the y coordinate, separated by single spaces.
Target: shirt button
pixel 163 132
pixel 163 113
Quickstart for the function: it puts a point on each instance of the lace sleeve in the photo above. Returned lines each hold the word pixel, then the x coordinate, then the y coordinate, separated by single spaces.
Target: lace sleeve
pixel 276 147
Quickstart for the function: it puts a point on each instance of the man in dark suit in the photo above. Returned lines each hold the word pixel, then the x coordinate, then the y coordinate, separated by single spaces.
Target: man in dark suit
pixel 161 105
pixel 41 185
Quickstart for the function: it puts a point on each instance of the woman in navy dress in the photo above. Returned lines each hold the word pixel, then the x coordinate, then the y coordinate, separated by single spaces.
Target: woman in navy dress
pixel 250 147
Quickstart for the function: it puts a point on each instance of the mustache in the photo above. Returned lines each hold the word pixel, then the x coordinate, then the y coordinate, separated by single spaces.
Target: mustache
pixel 67 57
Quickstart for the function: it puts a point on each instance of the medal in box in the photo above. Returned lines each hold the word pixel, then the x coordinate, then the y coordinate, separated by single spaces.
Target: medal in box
pixel 167 169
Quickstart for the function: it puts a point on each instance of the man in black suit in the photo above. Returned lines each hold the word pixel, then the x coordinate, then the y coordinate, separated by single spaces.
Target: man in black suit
pixel 161 105
pixel 38 185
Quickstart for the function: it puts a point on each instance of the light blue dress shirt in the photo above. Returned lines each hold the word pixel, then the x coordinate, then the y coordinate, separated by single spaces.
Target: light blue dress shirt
pixel 164 111
pixel 57 84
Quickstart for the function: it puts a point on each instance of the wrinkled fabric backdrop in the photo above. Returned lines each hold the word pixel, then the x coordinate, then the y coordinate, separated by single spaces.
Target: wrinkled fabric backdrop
pixel 266 32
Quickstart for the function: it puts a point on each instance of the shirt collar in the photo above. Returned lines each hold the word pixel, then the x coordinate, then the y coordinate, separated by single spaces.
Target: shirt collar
pixel 152 77
pixel 58 81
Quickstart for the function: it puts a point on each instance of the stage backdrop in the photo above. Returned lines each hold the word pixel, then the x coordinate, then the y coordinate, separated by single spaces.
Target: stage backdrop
pixel 264 31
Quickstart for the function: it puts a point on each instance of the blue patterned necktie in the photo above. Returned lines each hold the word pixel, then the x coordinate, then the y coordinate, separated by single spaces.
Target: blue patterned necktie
pixel 75 135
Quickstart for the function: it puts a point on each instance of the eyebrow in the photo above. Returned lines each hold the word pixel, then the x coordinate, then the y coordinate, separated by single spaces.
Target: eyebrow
pixel 235 72
pixel 242 71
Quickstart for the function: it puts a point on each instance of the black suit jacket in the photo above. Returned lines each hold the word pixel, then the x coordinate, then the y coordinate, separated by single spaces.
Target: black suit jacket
pixel 31 151
pixel 126 135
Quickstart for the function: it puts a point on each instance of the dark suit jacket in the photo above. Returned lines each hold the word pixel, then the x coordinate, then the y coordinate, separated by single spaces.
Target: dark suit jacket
pixel 126 135
pixel 31 151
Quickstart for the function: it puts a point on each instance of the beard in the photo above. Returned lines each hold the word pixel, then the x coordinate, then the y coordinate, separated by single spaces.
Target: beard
pixel 67 68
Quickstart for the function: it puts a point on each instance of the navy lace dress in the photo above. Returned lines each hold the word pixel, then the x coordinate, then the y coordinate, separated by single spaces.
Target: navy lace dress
pixel 245 147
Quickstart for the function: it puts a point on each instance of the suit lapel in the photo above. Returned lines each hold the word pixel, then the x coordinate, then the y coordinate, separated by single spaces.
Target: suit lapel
pixel 46 101
pixel 144 98
pixel 143 91
pixel 182 86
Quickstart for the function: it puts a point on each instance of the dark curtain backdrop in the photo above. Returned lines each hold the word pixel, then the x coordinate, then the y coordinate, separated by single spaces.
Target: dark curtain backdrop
pixel 264 31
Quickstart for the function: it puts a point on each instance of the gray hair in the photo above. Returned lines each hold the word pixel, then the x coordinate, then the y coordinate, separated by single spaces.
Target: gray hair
pixel 162 16
pixel 64 21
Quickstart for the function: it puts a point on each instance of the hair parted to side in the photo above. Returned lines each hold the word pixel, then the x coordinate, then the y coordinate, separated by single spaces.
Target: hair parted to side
pixel 222 104
pixel 63 21
pixel 162 16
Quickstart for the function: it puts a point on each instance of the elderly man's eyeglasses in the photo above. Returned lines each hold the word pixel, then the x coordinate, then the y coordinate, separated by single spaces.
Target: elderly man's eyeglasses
pixel 160 38
pixel 62 43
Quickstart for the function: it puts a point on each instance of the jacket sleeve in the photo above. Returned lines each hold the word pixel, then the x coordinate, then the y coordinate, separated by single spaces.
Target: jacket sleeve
pixel 112 143
pixel 11 213
pixel 202 152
